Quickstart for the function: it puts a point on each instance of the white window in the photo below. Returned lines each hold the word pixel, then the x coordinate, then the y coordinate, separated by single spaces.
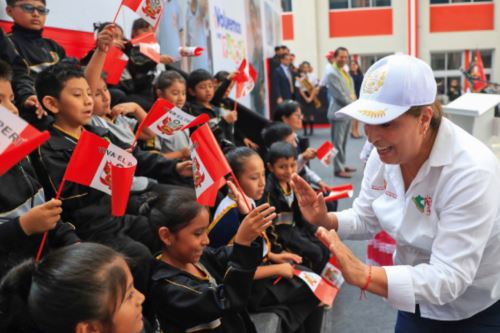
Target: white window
pixel 435 2
pixel 345 4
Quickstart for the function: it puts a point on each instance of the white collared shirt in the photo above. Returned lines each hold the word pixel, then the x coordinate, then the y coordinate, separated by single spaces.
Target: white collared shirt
pixel 446 226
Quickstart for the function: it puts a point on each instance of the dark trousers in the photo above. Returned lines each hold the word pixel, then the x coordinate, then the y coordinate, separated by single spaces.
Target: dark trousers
pixel 486 321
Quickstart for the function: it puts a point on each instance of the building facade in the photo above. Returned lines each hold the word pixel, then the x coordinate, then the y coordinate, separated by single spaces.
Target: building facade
pixel 444 33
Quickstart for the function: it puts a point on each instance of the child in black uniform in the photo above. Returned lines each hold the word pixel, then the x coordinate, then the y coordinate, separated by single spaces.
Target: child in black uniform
pixel 196 289
pixel 201 90
pixel 290 231
pixel 24 214
pixel 79 288
pixel 38 53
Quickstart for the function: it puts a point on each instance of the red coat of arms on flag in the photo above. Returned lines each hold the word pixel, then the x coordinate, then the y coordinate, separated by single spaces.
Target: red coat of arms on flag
pixel 198 175
pixel 168 126
pixel 152 8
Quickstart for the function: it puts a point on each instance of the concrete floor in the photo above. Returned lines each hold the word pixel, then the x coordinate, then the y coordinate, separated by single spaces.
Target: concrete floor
pixel 349 314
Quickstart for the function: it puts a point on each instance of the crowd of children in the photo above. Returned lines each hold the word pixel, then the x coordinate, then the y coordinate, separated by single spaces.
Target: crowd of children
pixel 184 266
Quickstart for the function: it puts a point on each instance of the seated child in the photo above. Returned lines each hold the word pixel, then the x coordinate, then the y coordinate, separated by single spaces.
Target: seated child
pixel 290 231
pixel 79 288
pixel 171 86
pixel 201 89
pixel 194 287
pixel 24 213
pixel 37 52
pixel 291 299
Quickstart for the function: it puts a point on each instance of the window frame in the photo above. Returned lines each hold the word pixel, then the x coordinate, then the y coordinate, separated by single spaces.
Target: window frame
pixel 350 7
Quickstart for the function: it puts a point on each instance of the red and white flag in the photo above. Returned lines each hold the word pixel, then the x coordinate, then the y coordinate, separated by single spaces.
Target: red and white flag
pixel 245 79
pixel 331 273
pixel 326 153
pixel 114 65
pixel 322 289
pixel 164 119
pixel 478 73
pixel 209 165
pixel 190 51
pixel 17 139
pixel 148 46
pixel 150 10
pixel 99 164
pixel 340 192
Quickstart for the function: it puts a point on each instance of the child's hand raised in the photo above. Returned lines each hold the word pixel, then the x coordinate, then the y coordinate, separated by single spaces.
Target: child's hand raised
pixel 105 38
pixel 254 224
pixel 41 218
pixel 241 199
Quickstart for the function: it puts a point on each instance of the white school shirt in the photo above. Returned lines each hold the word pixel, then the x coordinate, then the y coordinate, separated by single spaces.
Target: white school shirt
pixel 446 226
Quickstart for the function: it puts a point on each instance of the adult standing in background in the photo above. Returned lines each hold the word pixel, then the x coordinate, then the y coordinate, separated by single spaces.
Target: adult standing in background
pixel 341 90
pixel 357 78
pixel 171 30
pixel 282 79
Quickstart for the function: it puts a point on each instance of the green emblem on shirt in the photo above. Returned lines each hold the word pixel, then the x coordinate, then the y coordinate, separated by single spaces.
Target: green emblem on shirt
pixel 419 202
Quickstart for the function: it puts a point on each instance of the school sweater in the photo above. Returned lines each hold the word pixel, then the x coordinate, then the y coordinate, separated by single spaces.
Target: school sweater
pixel 19 192
pixel 215 303
pixel 89 209
pixel 289 231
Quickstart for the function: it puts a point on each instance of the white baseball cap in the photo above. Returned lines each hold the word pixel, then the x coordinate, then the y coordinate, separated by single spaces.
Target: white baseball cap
pixel 391 86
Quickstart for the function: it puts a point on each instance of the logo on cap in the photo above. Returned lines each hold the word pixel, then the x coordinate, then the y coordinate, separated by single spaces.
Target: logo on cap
pixel 374 80
pixel 373 113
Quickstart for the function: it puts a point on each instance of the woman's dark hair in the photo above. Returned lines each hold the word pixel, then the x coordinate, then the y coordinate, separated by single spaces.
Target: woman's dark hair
pixel 285 109
pixel 237 158
pixel 437 113
pixel 174 209
pixel 280 150
pixel 275 132
pixel 78 283
pixel 166 79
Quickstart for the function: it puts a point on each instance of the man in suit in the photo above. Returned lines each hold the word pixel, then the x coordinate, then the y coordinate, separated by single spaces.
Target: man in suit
pixel 282 80
pixel 341 90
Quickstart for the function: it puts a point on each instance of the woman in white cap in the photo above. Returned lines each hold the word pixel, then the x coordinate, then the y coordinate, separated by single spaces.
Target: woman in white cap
pixel 432 187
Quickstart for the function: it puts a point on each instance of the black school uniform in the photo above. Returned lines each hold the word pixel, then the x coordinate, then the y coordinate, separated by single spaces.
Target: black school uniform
pixel 290 232
pixel 19 192
pixel 220 128
pixel 37 53
pixel 90 210
pixel 216 303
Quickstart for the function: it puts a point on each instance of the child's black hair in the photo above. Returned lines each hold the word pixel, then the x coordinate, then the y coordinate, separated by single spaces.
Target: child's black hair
pixel 140 23
pixel 275 132
pixel 50 81
pixel 174 209
pixel 99 26
pixel 280 150
pixel 221 75
pixel 198 76
pixel 237 158
pixel 285 109
pixel 13 2
pixel 167 78
pixel 78 283
pixel 5 71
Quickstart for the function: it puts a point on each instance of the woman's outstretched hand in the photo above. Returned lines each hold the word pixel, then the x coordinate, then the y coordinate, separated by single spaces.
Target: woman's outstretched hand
pixel 312 205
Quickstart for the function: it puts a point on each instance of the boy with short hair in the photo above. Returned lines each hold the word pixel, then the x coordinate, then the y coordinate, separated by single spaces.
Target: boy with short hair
pixel 37 52
pixel 290 232
pixel 65 93
pixel 201 88
pixel 24 213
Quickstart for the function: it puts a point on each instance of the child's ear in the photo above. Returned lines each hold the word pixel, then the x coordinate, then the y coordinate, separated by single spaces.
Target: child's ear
pixel 165 236
pixel 191 92
pixel 269 167
pixel 159 93
pixel 89 327
pixel 9 10
pixel 51 104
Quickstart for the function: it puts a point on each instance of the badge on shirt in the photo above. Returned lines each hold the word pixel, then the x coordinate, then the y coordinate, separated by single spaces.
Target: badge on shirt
pixel 423 204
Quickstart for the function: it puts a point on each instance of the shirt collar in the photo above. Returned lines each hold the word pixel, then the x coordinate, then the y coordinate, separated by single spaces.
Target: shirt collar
pixel 442 150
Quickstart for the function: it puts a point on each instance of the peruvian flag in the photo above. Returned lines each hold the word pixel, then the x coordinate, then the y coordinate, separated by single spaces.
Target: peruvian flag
pixel 114 65
pixel 103 166
pixel 150 10
pixel 340 192
pixel 322 289
pixel 17 139
pixel 209 165
pixel 245 79
pixel 478 73
pixel 326 153
pixel 164 119
pixel 148 45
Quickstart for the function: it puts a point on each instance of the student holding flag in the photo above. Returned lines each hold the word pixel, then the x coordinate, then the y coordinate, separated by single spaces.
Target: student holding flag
pixel 24 212
pixel 434 189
